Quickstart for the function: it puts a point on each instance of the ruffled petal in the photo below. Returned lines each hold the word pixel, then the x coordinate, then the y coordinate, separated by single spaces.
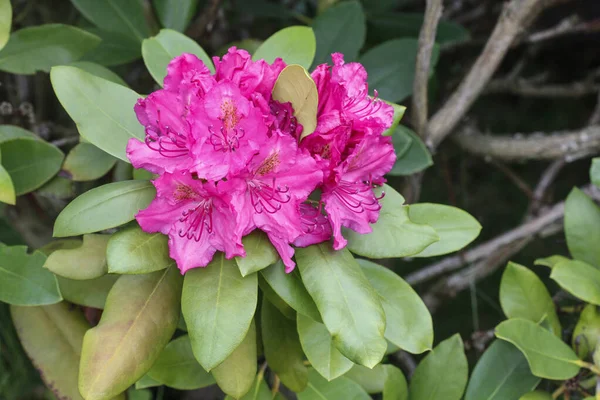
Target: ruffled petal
pixel 315 226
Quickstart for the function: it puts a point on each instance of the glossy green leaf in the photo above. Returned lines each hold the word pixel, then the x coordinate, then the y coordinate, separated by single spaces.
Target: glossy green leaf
pixel 30 163
pixel 456 228
pixel 348 304
pixel 398 114
pixel 235 375
pixel 259 391
pixel 341 28
pixel 125 17
pixel 524 295
pixel 582 227
pixel 501 373
pixel 595 171
pixel 176 367
pixel 274 298
pixel 175 15
pixel 86 162
pixel 586 334
pixel 578 278
pixel 394 234
pixel 133 251
pixel 40 48
pixel 115 48
pixel 290 288
pixel 102 110
pixel 547 355
pixel 52 337
pixel 551 261
pixel 414 158
pixel 408 322
pixel 218 305
pixel 140 317
pixel 7 189
pixel 537 395
pixel 9 132
pixel 294 44
pixel 159 50
pixel 23 281
pixel 320 350
pixel 282 348
pixel 442 373
pixel 104 207
pixel 87 261
pixel 99 71
pixel 391 67
pixel 260 253
pixel 88 293
pixel 5 21
pixel 341 388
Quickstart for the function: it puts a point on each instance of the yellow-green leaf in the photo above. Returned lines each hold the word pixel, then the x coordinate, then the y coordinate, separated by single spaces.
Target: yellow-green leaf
pixel 133 251
pixel 5 21
pixel 87 261
pixel 260 253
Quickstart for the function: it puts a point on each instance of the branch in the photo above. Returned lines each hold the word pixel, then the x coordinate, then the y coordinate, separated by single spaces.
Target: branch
pixel 433 13
pixel 567 26
pixel 205 20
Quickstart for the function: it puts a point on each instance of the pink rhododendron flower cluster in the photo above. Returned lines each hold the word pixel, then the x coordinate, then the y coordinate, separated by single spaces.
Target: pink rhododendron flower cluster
pixel 229 159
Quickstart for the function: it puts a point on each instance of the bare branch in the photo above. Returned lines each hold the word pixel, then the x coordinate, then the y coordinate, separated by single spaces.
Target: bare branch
pixel 543 185
pixel 595 117
pixel 567 26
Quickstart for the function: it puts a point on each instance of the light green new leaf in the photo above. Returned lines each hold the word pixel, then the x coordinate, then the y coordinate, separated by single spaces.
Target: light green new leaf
pixel 394 234
pixel 9 132
pixel 86 162
pixel 115 48
pixel 23 281
pixel 104 207
pixel 102 110
pixel 40 48
pixel 595 171
pixel 159 50
pixel 408 322
pixel 140 317
pixel 218 306
pixel 320 350
pixel 7 189
pixel 582 227
pixel 52 337
pixel 260 253
pixel 30 163
pixel 5 21
pixel 456 228
pixel 443 373
pixel 578 278
pixel 146 382
pixel 125 17
pixel 88 293
pixel 501 373
pixel 282 348
pixel 176 367
pixel 398 114
pixel 547 355
pixel 342 29
pixel 586 334
pixel 133 251
pixel 412 153
pixel 175 15
pixel 348 304
pixel 87 261
pixel 524 295
pixel 551 261
pixel 235 375
pixel 539 395
pixel 294 44
pixel 341 388
pixel 99 71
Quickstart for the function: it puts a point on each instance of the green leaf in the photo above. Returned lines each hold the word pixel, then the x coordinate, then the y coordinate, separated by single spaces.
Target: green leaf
pixel 394 234
pixel 259 391
pixel 99 71
pixel 398 114
pixel 291 290
pixel 159 50
pixel 40 48
pixel 218 306
pixel 391 67
pixel 260 253
pixel 59 244
pixel 395 387
pixel 175 15
pixel 294 44
pixel 456 228
pixel 320 350
pixel 5 21
pixel 587 331
pixel 235 375
pixel 104 207
pixel 547 355
pixel 133 251
pixel 146 382
pixel 9 132
pixel 501 373
pixel 524 295
pixel 115 48
pixel 102 110
pixel 537 395
pixel 88 293
pixel 141 394
pixel 57 188
pixel 125 17
pixel 7 189
pixel 414 158
pixel 582 227
pixel 341 28
pixel 341 388
pixel 87 261
pixel 443 372
pixel 595 171
pixel 282 347
pixel 578 278
pixel 176 367
pixel 551 261
pixel 349 305
pixel 86 162
pixel 408 322
pixel 372 380
pixel 140 317
pixel 30 163
pixel 52 337
pixel 274 298
pixel 23 281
